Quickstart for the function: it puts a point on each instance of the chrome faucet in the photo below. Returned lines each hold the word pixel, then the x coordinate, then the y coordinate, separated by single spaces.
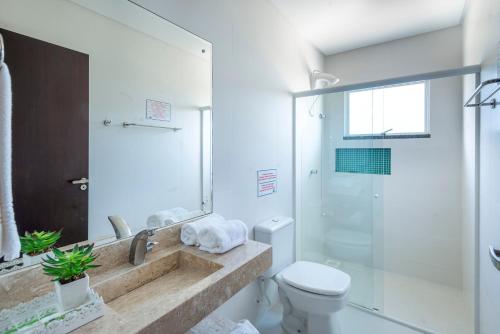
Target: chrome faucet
pixel 140 246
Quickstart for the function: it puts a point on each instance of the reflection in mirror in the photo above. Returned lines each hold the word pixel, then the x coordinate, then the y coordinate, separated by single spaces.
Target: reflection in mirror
pixel 112 122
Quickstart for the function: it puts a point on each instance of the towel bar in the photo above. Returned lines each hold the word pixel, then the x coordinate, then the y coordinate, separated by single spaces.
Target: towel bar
pixel 126 124
pixel 492 103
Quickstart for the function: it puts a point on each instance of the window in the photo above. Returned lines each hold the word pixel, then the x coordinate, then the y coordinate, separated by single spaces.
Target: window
pixel 400 110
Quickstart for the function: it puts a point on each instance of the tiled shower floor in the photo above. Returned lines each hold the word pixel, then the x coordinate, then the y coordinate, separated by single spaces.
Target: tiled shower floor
pixel 436 307
pixel 352 321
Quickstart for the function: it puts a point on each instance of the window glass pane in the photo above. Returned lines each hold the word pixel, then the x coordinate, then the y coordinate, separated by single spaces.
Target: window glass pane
pixel 400 108
pixel 404 108
pixel 360 112
pixel 378 111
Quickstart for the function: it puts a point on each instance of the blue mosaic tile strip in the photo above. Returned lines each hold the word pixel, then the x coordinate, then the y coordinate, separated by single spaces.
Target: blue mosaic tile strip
pixel 363 160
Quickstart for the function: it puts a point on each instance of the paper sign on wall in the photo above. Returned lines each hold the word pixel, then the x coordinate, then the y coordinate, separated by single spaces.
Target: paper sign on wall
pixel 267 182
pixel 158 111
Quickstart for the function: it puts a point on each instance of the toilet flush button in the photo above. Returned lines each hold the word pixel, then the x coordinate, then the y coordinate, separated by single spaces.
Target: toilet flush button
pixel 276 220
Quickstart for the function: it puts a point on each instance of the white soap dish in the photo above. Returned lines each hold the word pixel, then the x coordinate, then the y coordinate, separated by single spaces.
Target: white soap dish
pixel 42 315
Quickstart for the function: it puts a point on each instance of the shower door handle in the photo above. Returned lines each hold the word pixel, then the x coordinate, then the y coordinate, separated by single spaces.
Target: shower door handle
pixel 495 257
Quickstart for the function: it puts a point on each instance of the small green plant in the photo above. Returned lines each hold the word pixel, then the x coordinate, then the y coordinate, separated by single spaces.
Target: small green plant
pixel 71 265
pixel 38 242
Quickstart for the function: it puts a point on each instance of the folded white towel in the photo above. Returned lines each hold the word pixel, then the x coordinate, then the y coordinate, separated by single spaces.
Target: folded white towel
pixel 10 244
pixel 244 327
pixel 223 236
pixel 167 217
pixel 190 231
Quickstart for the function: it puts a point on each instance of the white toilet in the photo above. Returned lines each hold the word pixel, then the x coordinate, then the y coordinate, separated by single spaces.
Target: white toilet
pixel 311 293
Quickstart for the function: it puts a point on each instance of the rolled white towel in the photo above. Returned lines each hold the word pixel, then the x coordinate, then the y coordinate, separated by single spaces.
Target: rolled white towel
pixel 178 211
pixel 223 236
pixel 166 217
pixel 161 219
pixel 190 231
pixel 244 327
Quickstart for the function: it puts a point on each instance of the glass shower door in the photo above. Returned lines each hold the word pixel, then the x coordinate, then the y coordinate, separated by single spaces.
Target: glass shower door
pixel 350 197
pixel 340 199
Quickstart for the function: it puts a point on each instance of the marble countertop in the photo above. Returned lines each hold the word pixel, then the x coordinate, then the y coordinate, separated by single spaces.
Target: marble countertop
pixel 178 300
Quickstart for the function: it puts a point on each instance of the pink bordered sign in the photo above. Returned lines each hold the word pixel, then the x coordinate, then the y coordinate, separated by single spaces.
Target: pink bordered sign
pixel 158 111
pixel 267 182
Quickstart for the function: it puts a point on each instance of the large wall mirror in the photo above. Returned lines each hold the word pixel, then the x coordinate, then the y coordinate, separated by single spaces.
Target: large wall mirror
pixel 111 120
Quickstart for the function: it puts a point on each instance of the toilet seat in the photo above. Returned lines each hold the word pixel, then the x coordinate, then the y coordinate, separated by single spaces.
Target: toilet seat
pixel 316 278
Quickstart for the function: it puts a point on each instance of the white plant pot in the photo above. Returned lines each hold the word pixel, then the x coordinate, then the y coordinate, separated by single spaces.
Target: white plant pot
pixel 32 260
pixel 74 294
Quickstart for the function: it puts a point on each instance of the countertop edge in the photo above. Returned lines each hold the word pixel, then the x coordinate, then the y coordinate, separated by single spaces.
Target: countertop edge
pixel 196 308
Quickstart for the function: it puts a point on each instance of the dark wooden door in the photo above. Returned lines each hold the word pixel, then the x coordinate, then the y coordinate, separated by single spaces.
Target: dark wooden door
pixel 50 86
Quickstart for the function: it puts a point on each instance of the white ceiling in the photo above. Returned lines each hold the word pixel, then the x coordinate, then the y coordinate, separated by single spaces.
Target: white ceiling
pixel 339 25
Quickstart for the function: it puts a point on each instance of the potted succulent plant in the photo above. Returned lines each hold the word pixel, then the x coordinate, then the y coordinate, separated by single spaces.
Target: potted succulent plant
pixel 69 272
pixel 35 245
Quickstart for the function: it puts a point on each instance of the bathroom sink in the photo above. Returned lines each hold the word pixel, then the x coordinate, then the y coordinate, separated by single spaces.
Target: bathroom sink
pixel 162 274
pixel 174 289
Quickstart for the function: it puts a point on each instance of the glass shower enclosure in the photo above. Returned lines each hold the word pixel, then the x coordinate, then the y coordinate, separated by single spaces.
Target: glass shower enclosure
pixel 379 196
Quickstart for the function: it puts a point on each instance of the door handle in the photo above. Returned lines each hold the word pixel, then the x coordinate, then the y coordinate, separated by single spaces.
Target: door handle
pixel 82 182
pixel 495 257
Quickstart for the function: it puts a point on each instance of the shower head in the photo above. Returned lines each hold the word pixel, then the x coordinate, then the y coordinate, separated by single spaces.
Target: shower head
pixel 322 80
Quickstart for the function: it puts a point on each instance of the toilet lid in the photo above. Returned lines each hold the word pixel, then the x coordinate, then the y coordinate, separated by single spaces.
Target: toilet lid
pixel 316 278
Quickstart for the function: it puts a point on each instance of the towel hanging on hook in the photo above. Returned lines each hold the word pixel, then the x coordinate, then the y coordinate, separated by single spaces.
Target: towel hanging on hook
pixel 10 244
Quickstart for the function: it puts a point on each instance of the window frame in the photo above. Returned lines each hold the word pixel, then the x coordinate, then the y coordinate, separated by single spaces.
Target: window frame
pixel 392 135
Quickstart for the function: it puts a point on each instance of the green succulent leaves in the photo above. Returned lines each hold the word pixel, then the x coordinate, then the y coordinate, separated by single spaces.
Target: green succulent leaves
pixel 71 265
pixel 38 242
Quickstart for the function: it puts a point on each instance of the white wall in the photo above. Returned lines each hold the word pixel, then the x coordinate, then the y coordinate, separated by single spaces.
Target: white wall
pixel 481 38
pixel 423 196
pixel 415 55
pixel 122 161
pixel 258 60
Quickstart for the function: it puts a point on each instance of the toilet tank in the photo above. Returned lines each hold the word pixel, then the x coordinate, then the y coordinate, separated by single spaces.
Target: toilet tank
pixel 277 232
